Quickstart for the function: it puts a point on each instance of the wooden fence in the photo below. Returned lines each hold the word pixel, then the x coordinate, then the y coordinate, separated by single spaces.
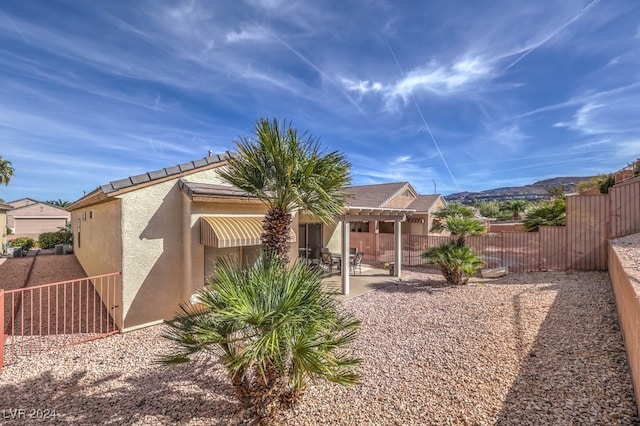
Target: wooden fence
pixel 580 245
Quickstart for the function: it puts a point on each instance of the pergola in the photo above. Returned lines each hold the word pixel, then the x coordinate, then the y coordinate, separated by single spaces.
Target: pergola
pixel 364 214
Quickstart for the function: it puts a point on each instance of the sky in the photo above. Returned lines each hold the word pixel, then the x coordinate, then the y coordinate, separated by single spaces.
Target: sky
pixel 456 95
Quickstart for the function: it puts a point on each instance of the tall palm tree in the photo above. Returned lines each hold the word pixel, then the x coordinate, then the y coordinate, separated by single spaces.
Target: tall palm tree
pixel 288 171
pixel 6 171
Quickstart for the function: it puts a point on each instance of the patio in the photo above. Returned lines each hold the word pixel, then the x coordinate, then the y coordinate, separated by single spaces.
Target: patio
pixel 372 277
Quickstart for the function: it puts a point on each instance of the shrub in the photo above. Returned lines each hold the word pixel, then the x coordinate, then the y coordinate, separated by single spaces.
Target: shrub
pixel 274 329
pixel 546 213
pixel 23 242
pixel 48 240
pixel 457 263
pixel 607 183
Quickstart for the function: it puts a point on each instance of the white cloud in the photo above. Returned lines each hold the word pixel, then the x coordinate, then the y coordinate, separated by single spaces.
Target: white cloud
pixel 362 87
pixel 441 79
pixel 250 33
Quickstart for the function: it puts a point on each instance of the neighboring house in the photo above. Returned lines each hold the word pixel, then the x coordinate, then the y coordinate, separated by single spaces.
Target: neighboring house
pixel 30 218
pixel 3 224
pixel 395 195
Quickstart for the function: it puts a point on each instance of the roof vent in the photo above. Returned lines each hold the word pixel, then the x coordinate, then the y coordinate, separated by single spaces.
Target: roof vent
pixel 210 153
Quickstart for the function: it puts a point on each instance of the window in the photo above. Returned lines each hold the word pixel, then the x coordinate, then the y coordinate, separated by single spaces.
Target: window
pixel 90 214
pixel 84 216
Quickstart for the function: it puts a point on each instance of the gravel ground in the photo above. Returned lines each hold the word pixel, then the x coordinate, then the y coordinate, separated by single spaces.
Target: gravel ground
pixel 537 348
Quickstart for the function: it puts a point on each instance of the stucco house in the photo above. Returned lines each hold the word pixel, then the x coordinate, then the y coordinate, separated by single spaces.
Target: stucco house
pixel 30 218
pixel 163 230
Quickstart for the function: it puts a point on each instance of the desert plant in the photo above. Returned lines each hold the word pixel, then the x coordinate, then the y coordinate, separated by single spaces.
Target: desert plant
pixel 546 213
pixel 514 207
pixel 25 243
pixel 273 328
pixel 288 172
pixel 48 240
pixel 459 222
pixel 457 263
pixel 489 208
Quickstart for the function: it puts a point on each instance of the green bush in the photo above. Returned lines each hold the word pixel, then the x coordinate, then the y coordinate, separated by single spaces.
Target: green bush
pixel 546 213
pixel 48 240
pixel 23 242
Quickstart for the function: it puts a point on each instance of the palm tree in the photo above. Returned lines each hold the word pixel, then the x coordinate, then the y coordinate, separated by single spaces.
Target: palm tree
pixel 288 172
pixel 59 203
pixel 457 263
pixel 6 171
pixel 273 328
pixel 459 221
pixel 515 207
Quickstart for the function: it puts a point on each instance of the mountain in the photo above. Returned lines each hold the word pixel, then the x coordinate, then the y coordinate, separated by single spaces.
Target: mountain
pixel 536 191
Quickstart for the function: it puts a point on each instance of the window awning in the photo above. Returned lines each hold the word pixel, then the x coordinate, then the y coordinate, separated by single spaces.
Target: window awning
pixel 232 231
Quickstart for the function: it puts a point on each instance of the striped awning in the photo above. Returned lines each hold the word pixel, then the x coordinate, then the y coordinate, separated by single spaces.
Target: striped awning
pixel 232 231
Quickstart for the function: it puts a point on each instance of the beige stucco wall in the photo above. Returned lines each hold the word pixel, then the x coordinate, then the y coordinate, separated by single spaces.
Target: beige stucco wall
pixel 99 249
pixel 194 256
pixel 152 253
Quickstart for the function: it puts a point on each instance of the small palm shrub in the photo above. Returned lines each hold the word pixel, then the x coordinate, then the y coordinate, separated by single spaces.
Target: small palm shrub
pixel 457 263
pixel 273 328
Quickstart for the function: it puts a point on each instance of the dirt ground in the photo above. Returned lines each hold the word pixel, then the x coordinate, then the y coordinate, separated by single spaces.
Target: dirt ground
pixel 47 268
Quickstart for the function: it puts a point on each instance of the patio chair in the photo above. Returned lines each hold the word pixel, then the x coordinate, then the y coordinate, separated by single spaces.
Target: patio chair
pixel 356 262
pixel 328 261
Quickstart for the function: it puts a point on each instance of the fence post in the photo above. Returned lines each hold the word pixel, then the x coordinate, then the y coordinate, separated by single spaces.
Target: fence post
pixel 2 336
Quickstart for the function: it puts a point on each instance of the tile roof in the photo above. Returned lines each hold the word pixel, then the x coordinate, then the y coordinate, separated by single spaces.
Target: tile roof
pixel 424 202
pixel 376 195
pixel 117 185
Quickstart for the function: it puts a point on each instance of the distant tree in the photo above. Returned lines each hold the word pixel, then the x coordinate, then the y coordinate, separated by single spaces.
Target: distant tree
pixel 586 185
pixel 59 203
pixel 546 213
pixel 489 209
pixel 556 191
pixel 514 207
pixel 6 171
pixel 607 183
